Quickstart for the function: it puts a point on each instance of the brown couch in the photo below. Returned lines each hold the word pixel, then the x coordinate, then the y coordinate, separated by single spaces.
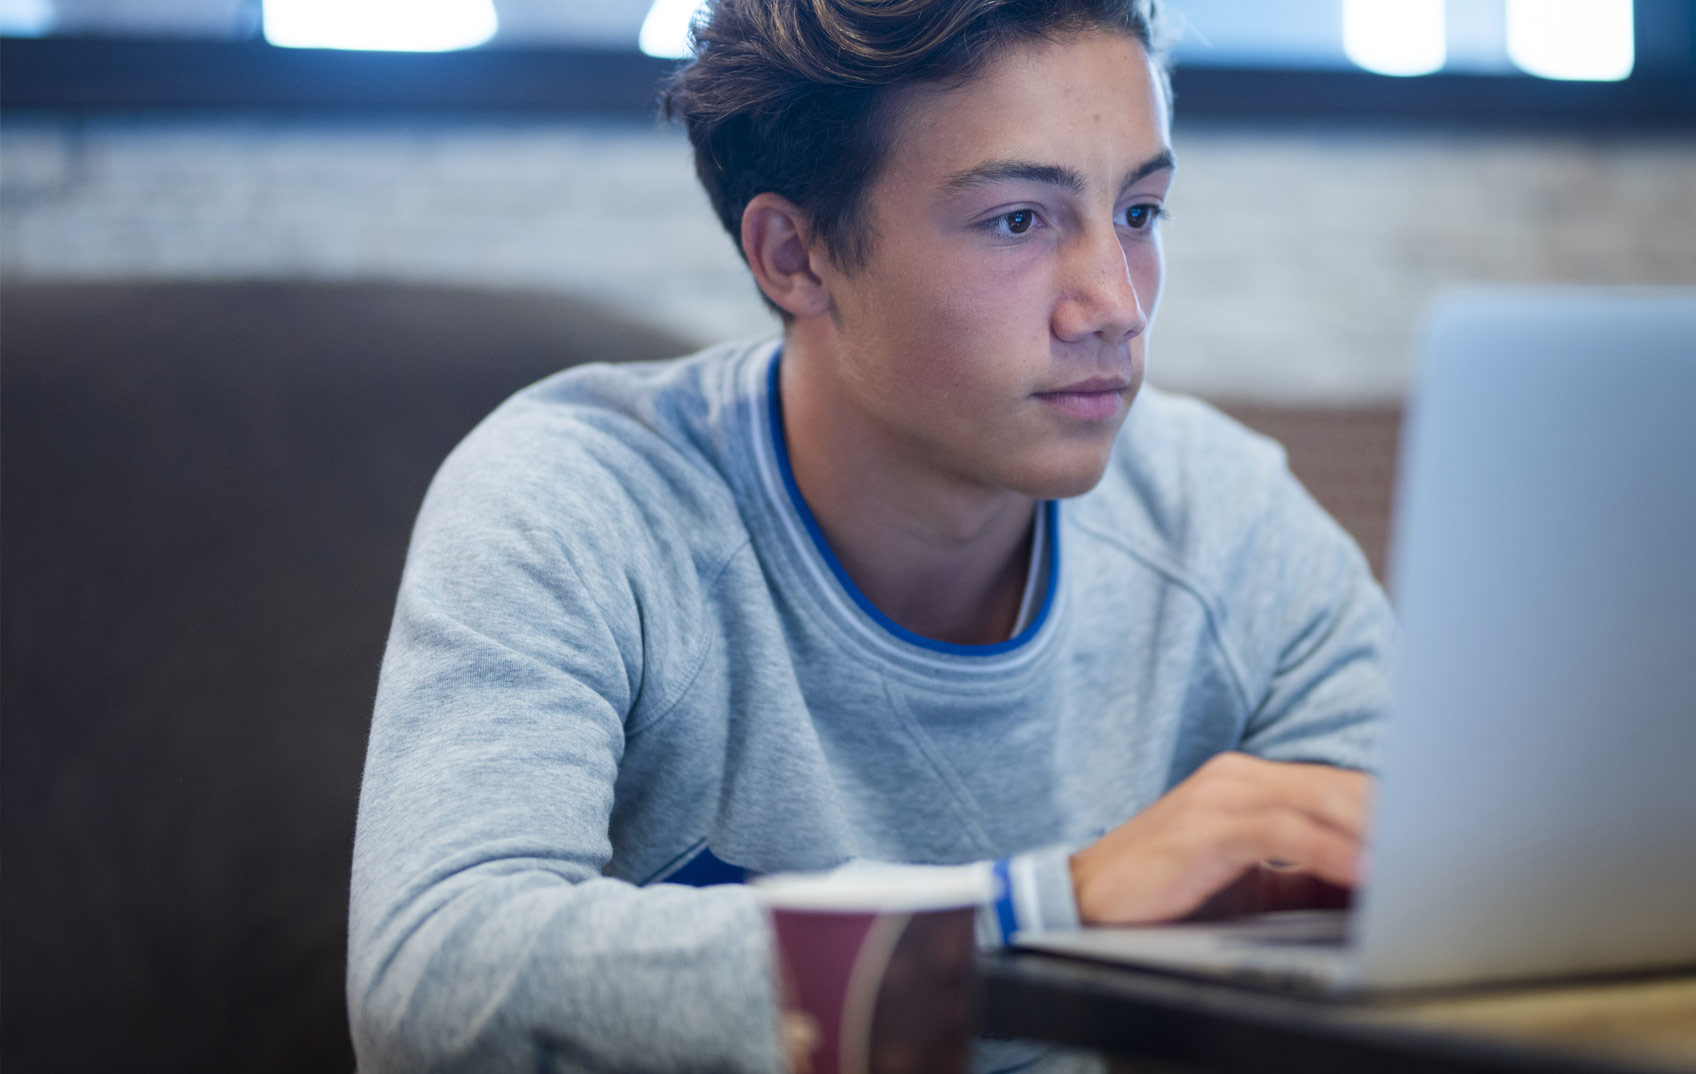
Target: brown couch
pixel 207 494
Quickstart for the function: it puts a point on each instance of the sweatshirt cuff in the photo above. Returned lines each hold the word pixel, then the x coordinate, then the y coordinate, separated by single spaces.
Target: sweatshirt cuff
pixel 1033 893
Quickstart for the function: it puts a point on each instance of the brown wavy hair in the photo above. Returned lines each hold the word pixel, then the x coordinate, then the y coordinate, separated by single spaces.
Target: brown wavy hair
pixel 794 96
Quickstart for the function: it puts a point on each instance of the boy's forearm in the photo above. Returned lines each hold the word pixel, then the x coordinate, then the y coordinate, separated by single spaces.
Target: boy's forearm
pixel 519 971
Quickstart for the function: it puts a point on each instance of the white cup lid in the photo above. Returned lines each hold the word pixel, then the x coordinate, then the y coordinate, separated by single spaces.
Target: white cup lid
pixel 879 887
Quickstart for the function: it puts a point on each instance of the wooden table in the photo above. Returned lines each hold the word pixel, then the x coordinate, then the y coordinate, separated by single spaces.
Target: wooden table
pixel 1636 1026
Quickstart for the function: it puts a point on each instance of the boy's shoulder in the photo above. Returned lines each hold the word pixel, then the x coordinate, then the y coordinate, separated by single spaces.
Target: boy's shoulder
pixel 657 414
pixel 1166 422
pixel 1177 450
pixel 608 451
pixel 1194 488
pixel 653 408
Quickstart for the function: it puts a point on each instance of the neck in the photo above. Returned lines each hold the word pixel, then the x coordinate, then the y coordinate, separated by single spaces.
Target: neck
pixel 941 557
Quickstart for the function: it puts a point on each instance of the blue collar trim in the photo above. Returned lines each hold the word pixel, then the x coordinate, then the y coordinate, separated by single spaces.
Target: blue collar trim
pixel 780 444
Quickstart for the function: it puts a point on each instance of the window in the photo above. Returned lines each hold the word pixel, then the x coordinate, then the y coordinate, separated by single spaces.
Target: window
pixel 1505 61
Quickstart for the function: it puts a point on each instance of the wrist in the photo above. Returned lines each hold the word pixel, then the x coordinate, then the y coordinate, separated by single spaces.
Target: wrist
pixel 1078 867
pixel 1033 893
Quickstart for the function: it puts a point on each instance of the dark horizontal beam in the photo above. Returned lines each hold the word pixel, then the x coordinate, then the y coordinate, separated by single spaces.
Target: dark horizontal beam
pixel 125 74
pixel 107 73
pixel 1643 102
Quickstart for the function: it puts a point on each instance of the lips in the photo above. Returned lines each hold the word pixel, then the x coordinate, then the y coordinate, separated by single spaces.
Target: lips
pixel 1095 399
pixel 1091 386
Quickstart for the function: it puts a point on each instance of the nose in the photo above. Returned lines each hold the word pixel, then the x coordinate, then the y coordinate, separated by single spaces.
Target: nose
pixel 1098 297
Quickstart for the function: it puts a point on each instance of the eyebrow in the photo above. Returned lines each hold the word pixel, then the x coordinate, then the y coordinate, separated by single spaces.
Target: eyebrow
pixel 1067 179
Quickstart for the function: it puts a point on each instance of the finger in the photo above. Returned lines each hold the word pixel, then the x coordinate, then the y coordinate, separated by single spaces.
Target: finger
pixel 1292 835
pixel 1339 798
pixel 1262 888
pixel 1297 889
pixel 1244 784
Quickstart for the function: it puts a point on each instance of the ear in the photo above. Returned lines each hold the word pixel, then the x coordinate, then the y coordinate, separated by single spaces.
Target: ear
pixel 775 241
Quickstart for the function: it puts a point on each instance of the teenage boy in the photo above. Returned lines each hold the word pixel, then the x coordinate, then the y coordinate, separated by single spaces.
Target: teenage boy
pixel 904 584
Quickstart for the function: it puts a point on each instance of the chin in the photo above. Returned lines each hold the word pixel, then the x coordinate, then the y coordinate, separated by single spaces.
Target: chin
pixel 1077 485
pixel 1063 478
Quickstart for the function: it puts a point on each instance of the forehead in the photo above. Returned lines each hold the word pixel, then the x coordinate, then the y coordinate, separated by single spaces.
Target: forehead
pixel 1089 101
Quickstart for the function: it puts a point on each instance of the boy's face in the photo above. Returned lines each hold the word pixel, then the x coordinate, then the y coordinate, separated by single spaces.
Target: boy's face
pixel 997 331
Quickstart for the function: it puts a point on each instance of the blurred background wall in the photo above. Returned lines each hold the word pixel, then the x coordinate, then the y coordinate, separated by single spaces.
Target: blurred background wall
pixel 250 295
pixel 1299 255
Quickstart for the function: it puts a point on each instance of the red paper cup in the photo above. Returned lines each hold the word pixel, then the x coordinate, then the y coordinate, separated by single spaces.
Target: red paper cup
pixel 875 964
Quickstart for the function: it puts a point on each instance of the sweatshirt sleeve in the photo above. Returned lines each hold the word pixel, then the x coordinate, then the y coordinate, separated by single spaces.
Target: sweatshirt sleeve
pixel 482 934
pixel 1317 637
pixel 1033 893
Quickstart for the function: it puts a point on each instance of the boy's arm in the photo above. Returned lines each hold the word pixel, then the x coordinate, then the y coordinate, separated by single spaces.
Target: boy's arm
pixel 483 936
pixel 1201 848
pixel 1313 639
pixel 1217 827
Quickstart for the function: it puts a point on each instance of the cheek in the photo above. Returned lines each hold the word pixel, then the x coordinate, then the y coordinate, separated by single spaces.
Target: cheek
pixel 958 326
pixel 996 331
pixel 1147 264
pixel 1001 302
pixel 974 302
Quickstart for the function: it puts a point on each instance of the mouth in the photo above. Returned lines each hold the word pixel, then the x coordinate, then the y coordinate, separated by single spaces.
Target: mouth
pixel 1096 399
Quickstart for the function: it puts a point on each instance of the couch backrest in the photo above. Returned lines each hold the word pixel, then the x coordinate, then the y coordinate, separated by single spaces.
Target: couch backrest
pixel 208 489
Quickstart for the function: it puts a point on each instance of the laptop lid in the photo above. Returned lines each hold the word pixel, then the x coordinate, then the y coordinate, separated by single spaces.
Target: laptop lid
pixel 1536 812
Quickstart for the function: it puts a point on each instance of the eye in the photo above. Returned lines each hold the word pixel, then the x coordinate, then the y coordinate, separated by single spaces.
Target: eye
pixel 1141 217
pixel 1016 222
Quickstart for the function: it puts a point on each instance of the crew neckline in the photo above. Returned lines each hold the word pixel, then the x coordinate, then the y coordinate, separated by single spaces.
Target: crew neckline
pixel 1048 549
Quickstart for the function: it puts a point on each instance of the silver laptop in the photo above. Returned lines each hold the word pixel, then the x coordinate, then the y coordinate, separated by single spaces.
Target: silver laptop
pixel 1536 808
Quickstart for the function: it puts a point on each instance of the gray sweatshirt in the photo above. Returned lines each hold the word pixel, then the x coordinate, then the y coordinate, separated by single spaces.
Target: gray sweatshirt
pixel 625 668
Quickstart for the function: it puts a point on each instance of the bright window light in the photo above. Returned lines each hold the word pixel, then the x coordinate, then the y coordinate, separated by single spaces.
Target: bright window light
pixel 25 18
pixel 383 25
pixel 1587 40
pixel 665 32
pixel 1395 37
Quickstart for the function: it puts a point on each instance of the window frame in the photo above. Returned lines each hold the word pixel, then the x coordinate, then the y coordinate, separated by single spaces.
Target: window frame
pixel 106 74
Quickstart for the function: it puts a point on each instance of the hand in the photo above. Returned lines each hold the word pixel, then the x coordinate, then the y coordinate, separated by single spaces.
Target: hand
pixel 1215 830
pixel 1272 886
pixel 801 1039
